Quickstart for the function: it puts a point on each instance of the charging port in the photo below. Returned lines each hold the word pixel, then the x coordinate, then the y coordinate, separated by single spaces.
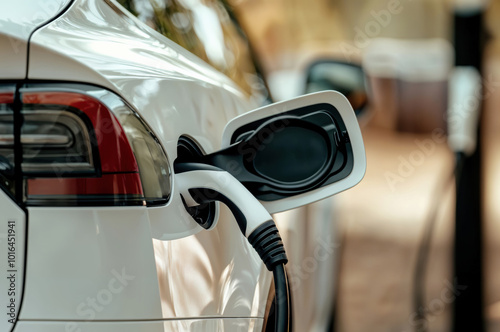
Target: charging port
pixel 189 151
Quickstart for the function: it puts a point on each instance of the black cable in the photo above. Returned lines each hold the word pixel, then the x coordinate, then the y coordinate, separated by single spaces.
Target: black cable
pixel 267 242
pixel 248 212
pixel 459 166
pixel 425 244
pixel 281 299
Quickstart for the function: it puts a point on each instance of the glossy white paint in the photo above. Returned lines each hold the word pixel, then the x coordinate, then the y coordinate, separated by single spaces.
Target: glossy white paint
pixel 73 251
pixel 12 244
pixel 185 325
pixel 94 264
pixel 18 19
pixel 212 273
pixel 77 256
pixel 182 283
pixel 345 110
pixel 174 91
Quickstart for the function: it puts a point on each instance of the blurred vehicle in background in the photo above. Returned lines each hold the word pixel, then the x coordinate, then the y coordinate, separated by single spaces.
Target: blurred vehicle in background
pixel 347 78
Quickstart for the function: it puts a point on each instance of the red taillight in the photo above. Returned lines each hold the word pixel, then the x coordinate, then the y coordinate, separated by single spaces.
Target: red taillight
pixel 7 179
pixel 114 149
pixel 79 151
pixel 6 97
pixel 120 184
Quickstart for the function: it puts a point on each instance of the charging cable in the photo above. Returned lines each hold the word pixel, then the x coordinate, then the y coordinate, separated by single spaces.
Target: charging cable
pixel 464 102
pixel 201 184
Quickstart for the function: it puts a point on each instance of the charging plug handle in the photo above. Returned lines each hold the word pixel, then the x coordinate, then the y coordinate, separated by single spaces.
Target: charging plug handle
pixel 202 184
pixel 266 240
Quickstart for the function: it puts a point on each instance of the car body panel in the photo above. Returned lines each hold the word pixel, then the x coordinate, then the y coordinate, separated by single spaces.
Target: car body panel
pixel 74 253
pixel 17 21
pixel 80 255
pixel 212 273
pixel 208 281
pixel 211 324
pixel 12 245
pixel 111 269
pixel 157 77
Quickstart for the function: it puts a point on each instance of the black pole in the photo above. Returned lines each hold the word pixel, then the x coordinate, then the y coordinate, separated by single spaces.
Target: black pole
pixel 468 311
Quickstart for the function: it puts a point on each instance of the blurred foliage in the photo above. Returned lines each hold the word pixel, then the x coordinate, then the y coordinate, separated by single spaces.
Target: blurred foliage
pixel 204 28
pixel 129 4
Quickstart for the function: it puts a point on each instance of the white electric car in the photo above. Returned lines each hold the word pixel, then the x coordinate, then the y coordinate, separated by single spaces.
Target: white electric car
pixel 99 114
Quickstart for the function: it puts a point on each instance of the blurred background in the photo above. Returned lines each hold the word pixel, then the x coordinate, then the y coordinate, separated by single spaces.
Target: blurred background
pixel 415 246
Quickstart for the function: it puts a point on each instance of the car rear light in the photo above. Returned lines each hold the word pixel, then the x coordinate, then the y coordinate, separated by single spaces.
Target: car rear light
pixel 79 151
pixel 7 180
pixel 50 138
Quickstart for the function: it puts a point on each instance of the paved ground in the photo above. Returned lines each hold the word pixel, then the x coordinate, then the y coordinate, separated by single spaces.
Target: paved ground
pixel 382 227
pixel 383 224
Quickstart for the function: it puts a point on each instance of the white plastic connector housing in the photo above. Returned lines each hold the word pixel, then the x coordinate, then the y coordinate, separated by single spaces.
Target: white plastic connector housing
pixel 464 104
pixel 227 185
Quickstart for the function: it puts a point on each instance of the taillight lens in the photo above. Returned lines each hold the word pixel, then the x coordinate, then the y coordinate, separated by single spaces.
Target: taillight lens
pixel 53 140
pixel 81 150
pixel 7 179
pixel 151 159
